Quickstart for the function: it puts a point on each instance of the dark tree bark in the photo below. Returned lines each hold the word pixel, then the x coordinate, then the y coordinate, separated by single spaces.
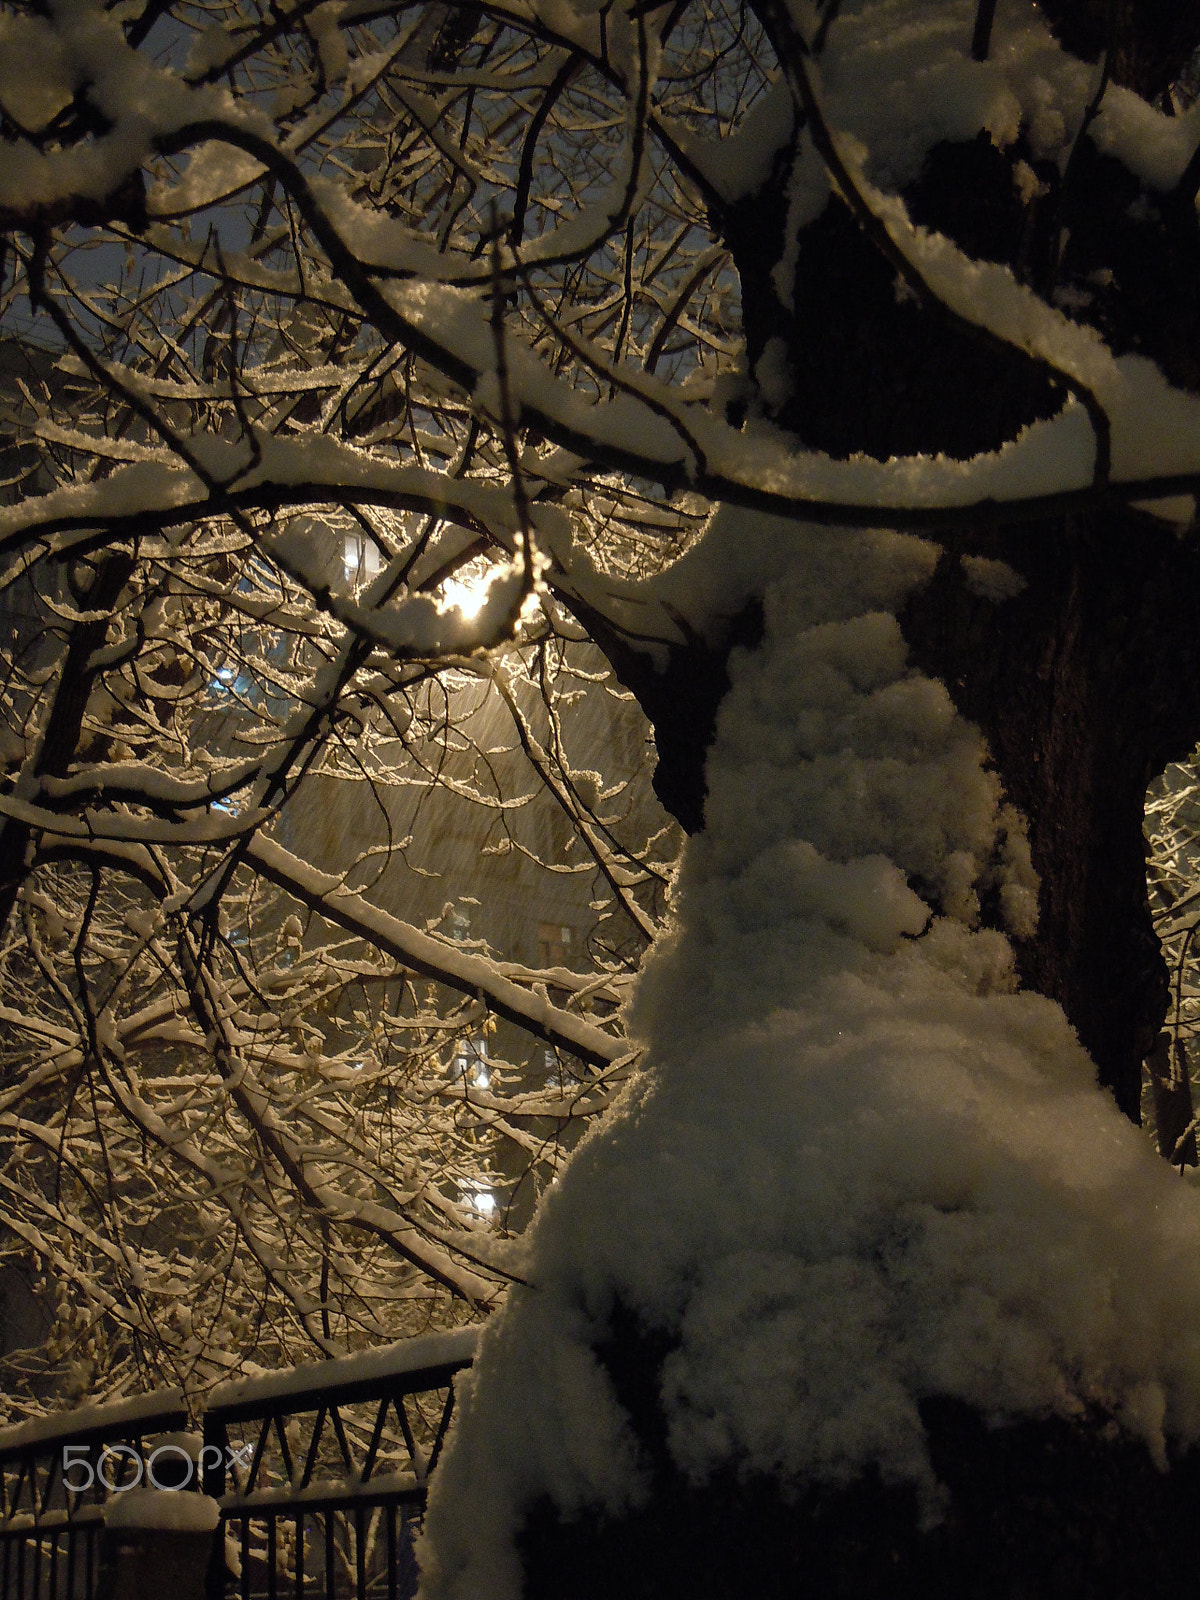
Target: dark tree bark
pixel 102 584
pixel 1085 685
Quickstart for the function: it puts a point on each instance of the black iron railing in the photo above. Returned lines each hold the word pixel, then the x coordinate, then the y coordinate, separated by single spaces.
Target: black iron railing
pixel 320 1474
pixel 57 1473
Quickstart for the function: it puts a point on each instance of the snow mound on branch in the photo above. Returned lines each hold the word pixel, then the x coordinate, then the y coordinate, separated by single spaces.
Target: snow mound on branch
pixel 899 78
pixel 860 1168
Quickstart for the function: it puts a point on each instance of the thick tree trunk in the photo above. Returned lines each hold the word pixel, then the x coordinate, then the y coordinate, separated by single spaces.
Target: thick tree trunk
pixel 1085 684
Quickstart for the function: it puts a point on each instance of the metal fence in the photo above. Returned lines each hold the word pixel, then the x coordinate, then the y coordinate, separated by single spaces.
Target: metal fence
pixel 56 1475
pixel 320 1474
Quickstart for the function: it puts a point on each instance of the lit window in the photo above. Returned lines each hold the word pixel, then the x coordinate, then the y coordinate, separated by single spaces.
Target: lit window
pixel 470 1063
pixel 554 944
pixel 361 559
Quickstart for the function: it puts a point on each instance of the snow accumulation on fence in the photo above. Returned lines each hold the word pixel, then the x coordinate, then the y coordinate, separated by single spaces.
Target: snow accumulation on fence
pixel 174 1513
pixel 859 1168
pixel 45 1430
pixel 366 1366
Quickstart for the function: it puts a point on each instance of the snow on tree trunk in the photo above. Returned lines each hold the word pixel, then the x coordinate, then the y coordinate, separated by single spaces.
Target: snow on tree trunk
pixel 1083 681
pixel 862 1174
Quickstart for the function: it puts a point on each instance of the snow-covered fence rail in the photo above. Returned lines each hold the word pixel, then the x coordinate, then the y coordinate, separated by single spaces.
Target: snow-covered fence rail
pixel 320 1474
pixel 57 1475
